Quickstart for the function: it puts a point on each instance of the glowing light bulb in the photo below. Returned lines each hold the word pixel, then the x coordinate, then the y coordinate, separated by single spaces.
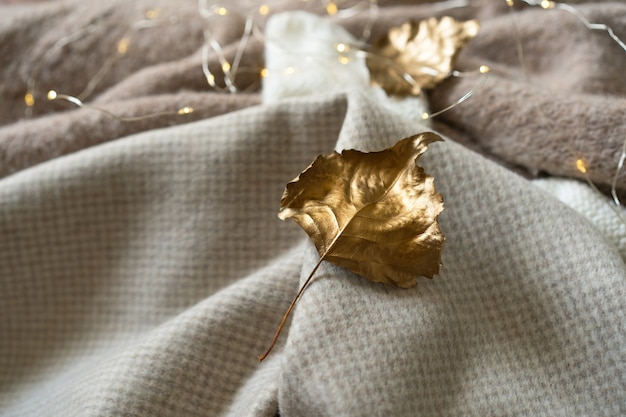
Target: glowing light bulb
pixel 185 110
pixel 264 72
pixel 122 45
pixel 484 69
pixel 222 11
pixel 29 99
pixel 510 3
pixel 343 59
pixel 225 67
pixel 547 4
pixel 425 116
pixel 52 95
pixel 264 9
pixel 153 13
pixel 581 166
pixel 341 47
pixel 331 9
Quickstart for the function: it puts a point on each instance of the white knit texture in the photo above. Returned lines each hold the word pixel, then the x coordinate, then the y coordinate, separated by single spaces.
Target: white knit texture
pixel 303 59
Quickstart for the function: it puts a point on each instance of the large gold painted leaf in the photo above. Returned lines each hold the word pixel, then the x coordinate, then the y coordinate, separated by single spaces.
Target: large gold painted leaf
pixel 420 55
pixel 373 213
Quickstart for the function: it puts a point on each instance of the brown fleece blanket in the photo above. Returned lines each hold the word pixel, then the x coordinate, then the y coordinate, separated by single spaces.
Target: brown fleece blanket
pixel 566 102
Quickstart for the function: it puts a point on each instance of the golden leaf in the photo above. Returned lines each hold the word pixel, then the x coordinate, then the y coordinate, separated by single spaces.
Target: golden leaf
pixel 373 213
pixel 418 56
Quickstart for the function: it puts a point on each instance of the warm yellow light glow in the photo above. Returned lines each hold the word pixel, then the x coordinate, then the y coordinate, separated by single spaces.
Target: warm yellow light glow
pixel 211 79
pixel 153 13
pixel 332 9
pixel 222 11
pixel 225 67
pixel 289 70
pixel 264 9
pixel 343 59
pixel 483 69
pixel 581 166
pixel 264 72
pixel 52 95
pixel 342 47
pixel 185 110
pixel 29 99
pixel 510 3
pixel 547 4
pixel 425 116
pixel 122 45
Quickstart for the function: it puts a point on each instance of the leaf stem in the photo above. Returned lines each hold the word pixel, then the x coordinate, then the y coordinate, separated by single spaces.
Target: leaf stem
pixel 286 315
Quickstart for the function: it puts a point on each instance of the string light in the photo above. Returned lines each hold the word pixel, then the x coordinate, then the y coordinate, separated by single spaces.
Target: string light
pixel 264 9
pixel 122 45
pixel 548 4
pixel 53 95
pixel 151 19
pixel 331 9
pixel 121 49
pixel 343 59
pixel 342 47
pixel 580 164
pixel 31 83
pixel 29 99
pixel 616 206
pixel 153 14
pixel 185 110
pixel 618 169
pixel 483 70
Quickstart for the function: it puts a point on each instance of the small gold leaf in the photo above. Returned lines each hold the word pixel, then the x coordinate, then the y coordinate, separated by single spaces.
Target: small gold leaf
pixel 372 213
pixel 418 56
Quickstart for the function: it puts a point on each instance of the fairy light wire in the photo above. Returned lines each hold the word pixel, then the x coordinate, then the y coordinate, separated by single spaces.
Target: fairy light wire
pixel 122 47
pixel 53 95
pixel 31 83
pixel 251 29
pixel 615 204
pixel 212 43
pixel 620 165
pixel 247 32
pixel 548 4
pixel 580 164
pixel 484 70
pixel 207 9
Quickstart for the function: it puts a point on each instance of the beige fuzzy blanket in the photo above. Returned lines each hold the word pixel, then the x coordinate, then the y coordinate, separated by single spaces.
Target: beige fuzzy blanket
pixel 142 276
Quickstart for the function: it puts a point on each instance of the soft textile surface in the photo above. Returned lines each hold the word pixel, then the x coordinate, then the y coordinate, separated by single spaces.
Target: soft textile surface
pixel 567 103
pixel 141 277
pixel 608 218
